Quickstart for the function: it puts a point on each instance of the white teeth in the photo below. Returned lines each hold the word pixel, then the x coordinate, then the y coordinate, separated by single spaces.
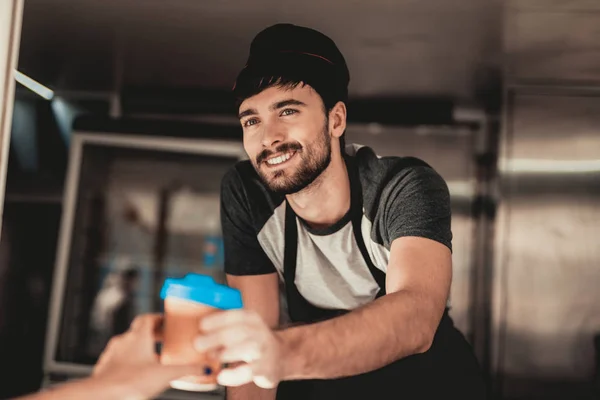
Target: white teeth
pixel 279 159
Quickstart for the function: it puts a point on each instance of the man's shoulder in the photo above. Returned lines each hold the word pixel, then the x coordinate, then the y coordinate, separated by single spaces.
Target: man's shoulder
pixel 396 179
pixel 377 170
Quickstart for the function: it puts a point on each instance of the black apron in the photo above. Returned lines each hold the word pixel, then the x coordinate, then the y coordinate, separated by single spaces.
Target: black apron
pixel 447 370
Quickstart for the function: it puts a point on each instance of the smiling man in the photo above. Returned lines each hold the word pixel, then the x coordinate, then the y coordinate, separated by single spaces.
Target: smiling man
pixel 362 245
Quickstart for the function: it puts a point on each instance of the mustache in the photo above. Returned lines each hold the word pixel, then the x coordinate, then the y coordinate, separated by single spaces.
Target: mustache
pixel 282 148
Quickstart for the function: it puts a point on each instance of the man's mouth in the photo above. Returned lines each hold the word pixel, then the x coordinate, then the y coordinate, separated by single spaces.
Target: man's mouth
pixel 280 159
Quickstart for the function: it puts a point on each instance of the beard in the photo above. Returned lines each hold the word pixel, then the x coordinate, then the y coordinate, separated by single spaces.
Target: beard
pixel 314 159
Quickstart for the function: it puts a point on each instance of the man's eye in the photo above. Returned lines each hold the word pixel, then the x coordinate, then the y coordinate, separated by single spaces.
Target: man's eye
pixel 250 122
pixel 288 111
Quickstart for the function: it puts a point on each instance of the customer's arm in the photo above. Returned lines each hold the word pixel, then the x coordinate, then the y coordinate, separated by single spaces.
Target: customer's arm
pixel 128 369
pixel 88 388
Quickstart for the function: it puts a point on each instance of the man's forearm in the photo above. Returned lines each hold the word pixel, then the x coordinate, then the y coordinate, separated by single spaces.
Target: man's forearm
pixel 250 392
pixel 392 327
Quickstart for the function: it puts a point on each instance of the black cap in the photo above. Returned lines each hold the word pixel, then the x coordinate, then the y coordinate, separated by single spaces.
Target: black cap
pixel 294 53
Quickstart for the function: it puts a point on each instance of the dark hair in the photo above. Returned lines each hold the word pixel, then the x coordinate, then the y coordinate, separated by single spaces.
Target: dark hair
pixel 329 95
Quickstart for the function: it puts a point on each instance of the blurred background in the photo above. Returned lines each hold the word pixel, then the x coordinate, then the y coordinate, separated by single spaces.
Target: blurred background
pixel 113 175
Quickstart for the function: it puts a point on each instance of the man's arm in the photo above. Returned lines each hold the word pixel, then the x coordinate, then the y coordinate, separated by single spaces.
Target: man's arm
pixel 399 324
pixel 260 293
pixel 414 219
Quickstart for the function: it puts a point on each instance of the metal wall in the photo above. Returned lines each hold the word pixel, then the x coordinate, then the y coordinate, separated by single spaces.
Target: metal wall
pixel 547 246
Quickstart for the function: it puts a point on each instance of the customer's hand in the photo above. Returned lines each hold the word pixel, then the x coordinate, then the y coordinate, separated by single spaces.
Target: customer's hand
pixel 130 360
pixel 243 338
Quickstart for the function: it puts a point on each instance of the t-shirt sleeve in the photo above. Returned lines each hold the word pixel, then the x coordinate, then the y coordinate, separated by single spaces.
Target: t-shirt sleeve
pixel 417 203
pixel 243 253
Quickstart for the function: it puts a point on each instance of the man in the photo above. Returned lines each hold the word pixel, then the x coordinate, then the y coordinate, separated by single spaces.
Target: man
pixel 127 369
pixel 363 245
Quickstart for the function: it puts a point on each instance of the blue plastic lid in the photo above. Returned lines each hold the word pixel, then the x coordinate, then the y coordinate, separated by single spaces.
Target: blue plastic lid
pixel 202 289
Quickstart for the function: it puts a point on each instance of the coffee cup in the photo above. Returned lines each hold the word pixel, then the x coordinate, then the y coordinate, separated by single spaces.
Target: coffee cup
pixel 186 301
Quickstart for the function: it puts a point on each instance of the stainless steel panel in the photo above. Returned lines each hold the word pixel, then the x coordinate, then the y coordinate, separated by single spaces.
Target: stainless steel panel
pixel 554 44
pixel 554 5
pixel 547 302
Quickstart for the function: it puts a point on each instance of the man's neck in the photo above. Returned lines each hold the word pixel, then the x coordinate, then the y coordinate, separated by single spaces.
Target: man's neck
pixel 327 199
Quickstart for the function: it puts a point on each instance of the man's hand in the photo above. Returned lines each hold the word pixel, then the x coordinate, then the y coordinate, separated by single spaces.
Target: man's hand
pixel 130 361
pixel 244 339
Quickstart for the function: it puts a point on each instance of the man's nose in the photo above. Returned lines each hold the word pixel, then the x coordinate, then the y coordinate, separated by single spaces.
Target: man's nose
pixel 272 135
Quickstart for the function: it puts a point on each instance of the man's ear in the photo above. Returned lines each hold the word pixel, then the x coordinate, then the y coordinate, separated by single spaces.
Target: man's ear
pixel 337 119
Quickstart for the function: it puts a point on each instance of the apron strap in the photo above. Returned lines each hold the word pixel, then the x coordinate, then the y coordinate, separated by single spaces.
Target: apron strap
pixel 377 274
pixel 290 252
pixel 299 309
pixel 357 215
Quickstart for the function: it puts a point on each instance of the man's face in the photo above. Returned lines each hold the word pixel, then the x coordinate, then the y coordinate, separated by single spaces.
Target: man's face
pixel 286 137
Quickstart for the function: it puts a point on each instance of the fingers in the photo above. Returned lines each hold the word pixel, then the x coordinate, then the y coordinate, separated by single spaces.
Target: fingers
pixel 235 376
pixel 227 329
pixel 242 375
pixel 148 325
pixel 222 320
pixel 263 382
pixel 146 322
pixel 107 353
pixel 152 381
pixel 247 351
pixel 171 372
pixel 221 338
pixel 99 366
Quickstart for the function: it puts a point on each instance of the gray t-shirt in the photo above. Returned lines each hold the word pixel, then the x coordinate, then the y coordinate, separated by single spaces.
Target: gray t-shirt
pixel 402 196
